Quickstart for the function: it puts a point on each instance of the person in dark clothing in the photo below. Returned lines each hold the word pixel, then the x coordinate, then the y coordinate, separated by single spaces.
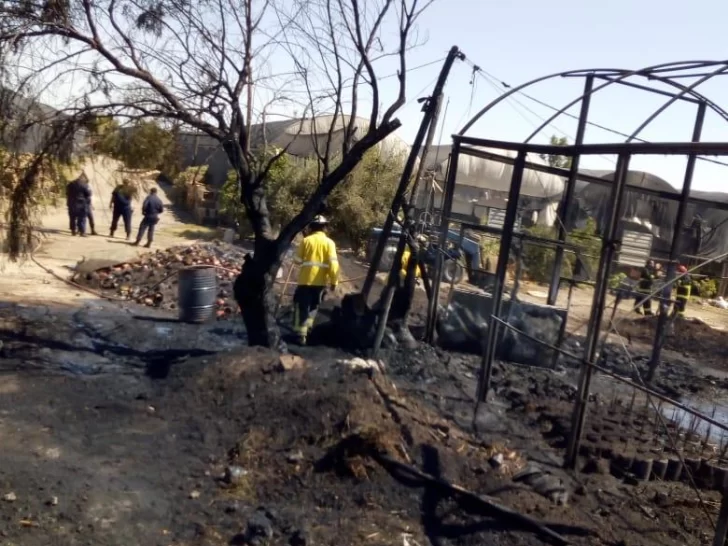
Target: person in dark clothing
pixel 78 200
pixel 151 209
pixel 121 207
pixel 683 287
pixel 90 206
pixel 644 288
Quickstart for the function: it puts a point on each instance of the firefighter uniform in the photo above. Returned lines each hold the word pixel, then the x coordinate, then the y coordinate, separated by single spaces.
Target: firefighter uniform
pixel 319 268
pixel 683 288
pixel 405 260
pixel 644 288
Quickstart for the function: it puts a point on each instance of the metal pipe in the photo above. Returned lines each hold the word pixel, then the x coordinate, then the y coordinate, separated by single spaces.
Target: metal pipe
pixel 650 89
pixel 409 167
pixel 670 196
pixel 606 371
pixel 621 73
pixel 447 197
pixel 486 367
pixel 600 292
pixel 665 106
pixel 433 111
pixel 562 214
pixel 675 246
pixel 614 148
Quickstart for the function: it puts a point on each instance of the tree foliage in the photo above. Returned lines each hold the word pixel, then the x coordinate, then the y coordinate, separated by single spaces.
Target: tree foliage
pixel 217 68
pixel 144 144
pixel 558 160
pixel 353 209
pixel 539 260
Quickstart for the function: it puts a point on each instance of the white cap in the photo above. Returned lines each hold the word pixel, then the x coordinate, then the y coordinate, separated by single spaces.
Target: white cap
pixel 320 219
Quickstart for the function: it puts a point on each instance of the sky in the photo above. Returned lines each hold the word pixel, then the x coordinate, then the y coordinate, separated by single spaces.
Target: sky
pixel 514 42
pixel 519 41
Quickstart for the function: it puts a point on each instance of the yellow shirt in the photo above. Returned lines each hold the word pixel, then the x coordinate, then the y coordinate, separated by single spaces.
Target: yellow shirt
pixel 317 258
pixel 405 260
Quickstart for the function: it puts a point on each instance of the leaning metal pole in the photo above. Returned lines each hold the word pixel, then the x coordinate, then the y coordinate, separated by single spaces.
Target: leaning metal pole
pixel 447 197
pixel 432 112
pixel 486 366
pixel 409 168
pixel 600 292
pixel 563 212
pixel 675 246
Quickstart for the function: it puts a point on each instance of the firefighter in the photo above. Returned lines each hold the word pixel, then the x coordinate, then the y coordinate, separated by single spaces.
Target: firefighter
pixel 683 286
pixel 644 288
pixel 319 269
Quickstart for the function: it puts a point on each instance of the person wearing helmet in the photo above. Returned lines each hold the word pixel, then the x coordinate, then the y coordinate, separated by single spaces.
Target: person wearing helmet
pixel 682 288
pixel 644 288
pixel 318 268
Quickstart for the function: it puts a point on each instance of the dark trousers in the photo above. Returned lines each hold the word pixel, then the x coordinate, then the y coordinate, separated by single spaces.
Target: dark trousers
pixel 90 218
pixel 306 301
pixel 77 219
pixel 125 215
pixel 147 224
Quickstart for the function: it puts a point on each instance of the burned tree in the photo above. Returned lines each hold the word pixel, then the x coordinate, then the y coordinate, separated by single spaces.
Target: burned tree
pixel 216 66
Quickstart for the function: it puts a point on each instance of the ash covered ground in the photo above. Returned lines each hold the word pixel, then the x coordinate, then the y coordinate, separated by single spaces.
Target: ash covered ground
pixel 122 426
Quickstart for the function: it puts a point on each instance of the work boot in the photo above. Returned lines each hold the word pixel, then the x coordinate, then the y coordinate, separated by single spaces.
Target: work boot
pixel 111 234
pixel 135 243
pixel 93 232
pixel 128 236
pixel 148 245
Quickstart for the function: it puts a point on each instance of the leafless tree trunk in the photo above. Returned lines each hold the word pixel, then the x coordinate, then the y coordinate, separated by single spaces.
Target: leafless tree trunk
pixel 215 66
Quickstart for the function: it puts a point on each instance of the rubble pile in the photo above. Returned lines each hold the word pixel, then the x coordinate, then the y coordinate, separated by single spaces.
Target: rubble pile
pixel 152 279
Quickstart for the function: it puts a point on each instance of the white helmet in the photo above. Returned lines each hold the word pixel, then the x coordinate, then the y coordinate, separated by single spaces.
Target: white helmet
pixel 320 220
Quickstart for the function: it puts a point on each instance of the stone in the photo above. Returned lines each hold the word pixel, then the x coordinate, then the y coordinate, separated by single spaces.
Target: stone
pixel 260 528
pixel 295 457
pixel 53 501
pixel 496 461
pixel 298 538
pixel 234 475
pixel 596 465
pixel 287 363
pixel 194 495
pixel 10 497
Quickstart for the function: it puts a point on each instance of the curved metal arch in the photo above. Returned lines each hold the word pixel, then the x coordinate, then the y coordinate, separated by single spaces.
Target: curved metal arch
pixel 672 100
pixel 624 74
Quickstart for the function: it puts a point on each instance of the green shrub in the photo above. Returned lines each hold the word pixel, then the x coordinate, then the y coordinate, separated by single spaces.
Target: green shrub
pixel 616 280
pixel 705 288
pixel 539 259
pixel 184 180
pixel 357 205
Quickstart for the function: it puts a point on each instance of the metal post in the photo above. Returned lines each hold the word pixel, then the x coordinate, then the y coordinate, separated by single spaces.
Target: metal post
pixel 389 289
pixel 569 191
pixel 721 529
pixel 408 170
pixel 595 322
pixel 486 366
pixel 447 197
pixel 675 246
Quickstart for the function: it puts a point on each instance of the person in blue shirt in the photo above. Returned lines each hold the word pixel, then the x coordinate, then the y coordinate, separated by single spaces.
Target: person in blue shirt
pixel 121 207
pixel 151 209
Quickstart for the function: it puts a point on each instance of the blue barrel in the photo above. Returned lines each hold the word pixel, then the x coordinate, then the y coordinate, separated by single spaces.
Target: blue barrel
pixel 197 293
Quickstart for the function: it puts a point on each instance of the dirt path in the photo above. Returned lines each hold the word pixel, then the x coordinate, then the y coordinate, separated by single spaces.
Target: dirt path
pixel 59 251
